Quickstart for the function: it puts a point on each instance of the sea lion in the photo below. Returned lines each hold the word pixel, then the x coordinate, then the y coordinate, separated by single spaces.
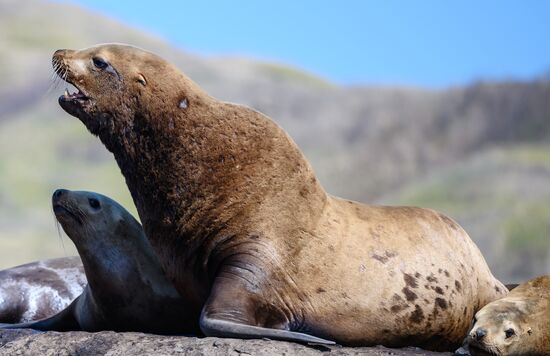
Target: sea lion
pixel 246 232
pixel 518 324
pixel 39 289
pixel 127 289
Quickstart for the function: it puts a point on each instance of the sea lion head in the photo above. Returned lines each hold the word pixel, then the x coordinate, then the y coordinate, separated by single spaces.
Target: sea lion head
pixel 118 83
pixel 90 219
pixel 501 328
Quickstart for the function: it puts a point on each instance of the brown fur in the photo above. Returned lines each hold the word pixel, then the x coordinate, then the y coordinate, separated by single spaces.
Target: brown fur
pixel 526 310
pixel 247 233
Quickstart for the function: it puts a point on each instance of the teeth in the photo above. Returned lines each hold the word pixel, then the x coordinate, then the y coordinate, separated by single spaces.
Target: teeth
pixel 66 93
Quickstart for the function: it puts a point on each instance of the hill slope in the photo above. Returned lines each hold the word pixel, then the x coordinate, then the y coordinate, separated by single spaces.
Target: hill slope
pixel 472 151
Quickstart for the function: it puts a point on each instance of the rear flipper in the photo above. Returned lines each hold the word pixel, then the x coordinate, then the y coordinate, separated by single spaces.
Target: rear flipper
pixel 224 328
pixel 62 321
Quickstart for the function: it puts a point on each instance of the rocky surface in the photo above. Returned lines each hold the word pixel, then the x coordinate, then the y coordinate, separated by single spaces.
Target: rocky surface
pixel 29 342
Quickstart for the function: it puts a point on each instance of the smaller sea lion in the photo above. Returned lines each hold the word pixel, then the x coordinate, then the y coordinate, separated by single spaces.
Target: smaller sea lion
pixel 127 289
pixel 518 324
pixel 39 289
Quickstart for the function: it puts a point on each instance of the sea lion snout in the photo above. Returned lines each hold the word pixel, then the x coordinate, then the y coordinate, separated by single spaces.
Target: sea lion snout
pixel 58 194
pixel 479 334
pixel 58 59
pixel 59 53
pixel 59 202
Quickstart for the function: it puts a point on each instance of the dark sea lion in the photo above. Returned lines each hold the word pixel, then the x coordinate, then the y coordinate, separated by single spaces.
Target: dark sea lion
pixel 518 324
pixel 127 289
pixel 245 230
pixel 40 289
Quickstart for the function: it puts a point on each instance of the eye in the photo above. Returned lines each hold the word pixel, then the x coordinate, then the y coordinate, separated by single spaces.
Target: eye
pixel 509 333
pixel 94 203
pixel 100 63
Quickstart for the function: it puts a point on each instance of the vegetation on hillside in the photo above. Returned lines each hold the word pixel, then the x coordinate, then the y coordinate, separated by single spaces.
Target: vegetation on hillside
pixel 480 153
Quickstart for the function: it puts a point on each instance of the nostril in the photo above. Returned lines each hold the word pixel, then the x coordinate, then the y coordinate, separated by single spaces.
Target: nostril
pixel 480 333
pixel 59 193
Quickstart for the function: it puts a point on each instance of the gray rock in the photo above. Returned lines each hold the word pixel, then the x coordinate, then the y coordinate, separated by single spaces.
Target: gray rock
pixel 29 342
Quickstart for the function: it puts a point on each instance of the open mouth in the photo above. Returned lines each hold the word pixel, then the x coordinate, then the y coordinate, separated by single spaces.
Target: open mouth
pixel 75 101
pixel 77 95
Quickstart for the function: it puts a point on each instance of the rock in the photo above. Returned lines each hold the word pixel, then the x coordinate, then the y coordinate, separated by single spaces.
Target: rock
pixel 30 342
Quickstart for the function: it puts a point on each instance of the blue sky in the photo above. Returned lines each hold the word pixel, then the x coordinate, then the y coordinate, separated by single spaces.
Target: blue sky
pixel 416 43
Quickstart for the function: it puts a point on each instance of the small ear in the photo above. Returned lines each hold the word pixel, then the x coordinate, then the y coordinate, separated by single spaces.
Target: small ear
pixel 141 79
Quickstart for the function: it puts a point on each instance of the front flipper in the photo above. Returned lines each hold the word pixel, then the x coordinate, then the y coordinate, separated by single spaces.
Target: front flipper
pixel 62 321
pixel 241 305
pixel 231 329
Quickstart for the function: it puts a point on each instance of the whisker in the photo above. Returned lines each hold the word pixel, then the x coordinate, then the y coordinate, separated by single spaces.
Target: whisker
pixel 53 84
pixel 58 228
pixel 55 79
pixel 51 79
pixel 81 215
pixel 58 77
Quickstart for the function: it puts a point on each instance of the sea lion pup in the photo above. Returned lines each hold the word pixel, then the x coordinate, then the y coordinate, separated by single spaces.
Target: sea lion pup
pixel 246 232
pixel 518 324
pixel 39 289
pixel 127 289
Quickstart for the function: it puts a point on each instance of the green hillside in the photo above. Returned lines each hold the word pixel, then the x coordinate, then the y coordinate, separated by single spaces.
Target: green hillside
pixel 480 153
pixel 42 151
pixel 501 197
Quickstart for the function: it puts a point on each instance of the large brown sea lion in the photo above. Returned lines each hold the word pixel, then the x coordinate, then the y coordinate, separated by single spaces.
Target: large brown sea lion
pixel 518 324
pixel 39 289
pixel 127 289
pixel 246 232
